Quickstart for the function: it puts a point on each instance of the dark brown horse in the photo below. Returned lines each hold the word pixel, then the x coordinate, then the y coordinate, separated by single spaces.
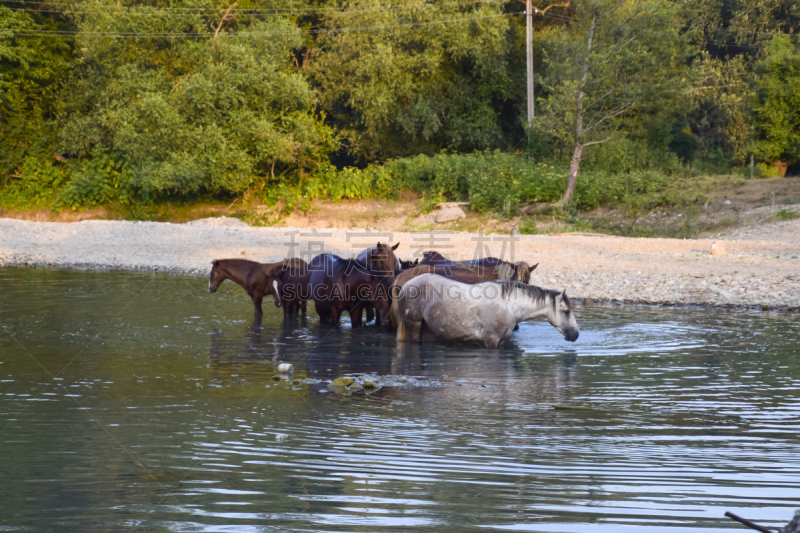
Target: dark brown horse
pixel 455 272
pixel 339 285
pixel 381 259
pixel 286 281
pixel 519 271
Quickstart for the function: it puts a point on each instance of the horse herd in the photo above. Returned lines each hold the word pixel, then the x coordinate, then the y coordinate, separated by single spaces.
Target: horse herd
pixel 483 299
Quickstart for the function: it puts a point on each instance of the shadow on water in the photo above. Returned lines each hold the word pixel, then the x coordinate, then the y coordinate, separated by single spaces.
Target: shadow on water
pixel 168 414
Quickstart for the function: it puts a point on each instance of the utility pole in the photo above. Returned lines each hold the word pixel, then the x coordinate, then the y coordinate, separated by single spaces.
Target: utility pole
pixel 529 11
pixel 529 46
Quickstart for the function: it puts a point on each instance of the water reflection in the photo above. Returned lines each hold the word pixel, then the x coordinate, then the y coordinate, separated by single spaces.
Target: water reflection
pixel 168 415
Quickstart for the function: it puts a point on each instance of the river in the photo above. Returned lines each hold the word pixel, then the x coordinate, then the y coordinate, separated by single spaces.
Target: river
pixel 140 402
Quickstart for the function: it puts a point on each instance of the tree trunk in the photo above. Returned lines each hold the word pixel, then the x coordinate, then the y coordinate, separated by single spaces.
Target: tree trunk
pixel 573 175
pixel 576 155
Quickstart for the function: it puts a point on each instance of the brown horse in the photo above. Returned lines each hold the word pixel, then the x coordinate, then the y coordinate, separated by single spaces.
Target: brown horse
pixel 381 259
pixel 339 285
pixel 286 281
pixel 457 272
pixel 519 271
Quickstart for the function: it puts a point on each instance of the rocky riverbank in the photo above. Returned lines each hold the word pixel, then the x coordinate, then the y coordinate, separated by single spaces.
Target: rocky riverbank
pixel 746 273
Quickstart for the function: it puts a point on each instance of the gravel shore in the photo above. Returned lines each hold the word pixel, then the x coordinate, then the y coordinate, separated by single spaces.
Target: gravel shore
pixel 758 268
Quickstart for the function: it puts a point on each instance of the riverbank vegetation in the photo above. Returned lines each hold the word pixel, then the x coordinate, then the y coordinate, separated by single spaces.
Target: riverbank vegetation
pixel 140 104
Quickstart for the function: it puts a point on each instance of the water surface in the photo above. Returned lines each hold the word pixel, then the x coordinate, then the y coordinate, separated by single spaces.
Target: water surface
pixel 140 402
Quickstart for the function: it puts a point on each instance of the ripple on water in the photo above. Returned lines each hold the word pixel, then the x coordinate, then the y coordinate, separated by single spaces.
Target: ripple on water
pixel 656 419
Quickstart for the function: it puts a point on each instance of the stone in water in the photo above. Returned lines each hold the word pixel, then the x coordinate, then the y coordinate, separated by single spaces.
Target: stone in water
pixel 285 368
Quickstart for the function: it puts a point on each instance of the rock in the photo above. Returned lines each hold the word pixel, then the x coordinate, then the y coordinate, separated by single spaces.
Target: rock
pixel 285 368
pixel 727 202
pixel 449 214
pixel 342 382
pixel 280 437
pixel 717 248
pixel 276 378
pixel 198 385
pixel 369 384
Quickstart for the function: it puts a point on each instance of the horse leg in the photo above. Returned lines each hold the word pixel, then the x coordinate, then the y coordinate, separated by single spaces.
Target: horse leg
pixel 427 333
pixel 257 304
pixel 324 314
pixel 303 306
pixel 335 316
pixel 355 316
pixel 370 312
pixel 492 342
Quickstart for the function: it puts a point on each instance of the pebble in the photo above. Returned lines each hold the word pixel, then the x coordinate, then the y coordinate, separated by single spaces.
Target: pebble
pixel 285 368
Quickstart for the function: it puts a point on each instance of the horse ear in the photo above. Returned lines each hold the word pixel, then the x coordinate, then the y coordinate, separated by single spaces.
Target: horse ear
pixel 395 246
pixel 531 269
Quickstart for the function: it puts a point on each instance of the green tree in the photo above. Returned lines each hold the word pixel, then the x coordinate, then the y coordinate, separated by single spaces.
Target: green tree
pixel 720 95
pixel 613 57
pixel 208 99
pixel 776 109
pixel 32 69
pixel 415 78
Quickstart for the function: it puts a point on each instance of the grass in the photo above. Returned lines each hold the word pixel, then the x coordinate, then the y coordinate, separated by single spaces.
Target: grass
pixel 785 214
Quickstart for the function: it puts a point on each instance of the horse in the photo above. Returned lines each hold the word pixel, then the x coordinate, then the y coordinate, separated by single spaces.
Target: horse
pixel 485 312
pixel 286 281
pixel 519 271
pixel 339 285
pixel 381 258
pixel 457 272
pixel 408 264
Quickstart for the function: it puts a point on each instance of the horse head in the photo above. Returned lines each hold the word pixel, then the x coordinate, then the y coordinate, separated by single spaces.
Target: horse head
pixel 218 275
pixel 382 258
pixel 276 283
pixel 560 315
pixel 522 271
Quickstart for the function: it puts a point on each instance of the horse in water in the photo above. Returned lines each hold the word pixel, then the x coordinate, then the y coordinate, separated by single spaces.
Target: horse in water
pixel 286 281
pixel 519 271
pixel 456 272
pixel 339 285
pixel 380 258
pixel 486 312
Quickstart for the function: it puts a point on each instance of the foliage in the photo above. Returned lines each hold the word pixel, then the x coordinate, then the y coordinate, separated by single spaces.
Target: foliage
pixel 194 115
pixel 776 112
pixel 32 69
pixel 785 214
pixel 719 97
pixel 133 103
pixel 416 89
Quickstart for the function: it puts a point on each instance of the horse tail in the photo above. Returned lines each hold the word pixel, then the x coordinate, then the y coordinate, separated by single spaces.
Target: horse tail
pixel 392 320
pixel 402 332
pixel 396 320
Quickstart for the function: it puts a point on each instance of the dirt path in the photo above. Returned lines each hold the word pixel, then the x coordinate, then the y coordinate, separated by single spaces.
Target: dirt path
pixel 752 273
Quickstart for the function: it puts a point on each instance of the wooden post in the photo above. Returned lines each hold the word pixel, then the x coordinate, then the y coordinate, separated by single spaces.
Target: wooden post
pixel 752 165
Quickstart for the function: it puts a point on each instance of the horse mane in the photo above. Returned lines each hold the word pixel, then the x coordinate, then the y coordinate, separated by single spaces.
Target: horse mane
pixel 344 266
pixel 234 262
pixel 536 294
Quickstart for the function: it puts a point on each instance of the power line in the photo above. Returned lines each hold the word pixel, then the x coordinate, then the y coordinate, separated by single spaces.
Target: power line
pixel 57 33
